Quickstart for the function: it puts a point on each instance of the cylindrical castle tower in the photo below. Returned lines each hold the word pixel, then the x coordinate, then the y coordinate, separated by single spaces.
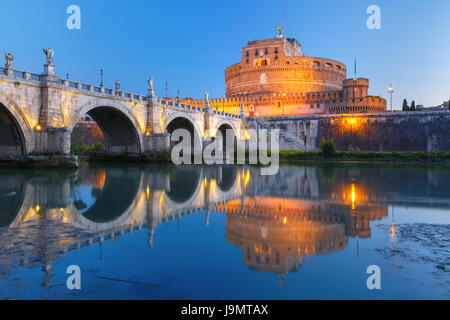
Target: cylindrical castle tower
pixel 279 66
pixel 356 88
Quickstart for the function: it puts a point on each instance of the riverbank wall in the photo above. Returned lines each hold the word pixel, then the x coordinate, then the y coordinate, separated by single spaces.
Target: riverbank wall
pixel 398 131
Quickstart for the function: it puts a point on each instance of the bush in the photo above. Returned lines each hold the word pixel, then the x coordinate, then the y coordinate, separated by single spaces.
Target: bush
pixel 166 154
pixel 327 147
pixel 98 147
pixel 84 149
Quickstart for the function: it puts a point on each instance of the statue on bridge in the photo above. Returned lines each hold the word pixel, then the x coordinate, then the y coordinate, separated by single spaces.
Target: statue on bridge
pixel 150 83
pixel 151 90
pixel 9 58
pixel 117 85
pixel 49 55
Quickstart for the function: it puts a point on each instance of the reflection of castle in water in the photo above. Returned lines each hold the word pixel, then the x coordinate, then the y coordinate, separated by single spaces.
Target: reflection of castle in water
pixel 277 221
pixel 275 234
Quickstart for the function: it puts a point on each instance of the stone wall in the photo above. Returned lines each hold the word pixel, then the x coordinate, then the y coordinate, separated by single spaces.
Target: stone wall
pixel 87 133
pixel 400 131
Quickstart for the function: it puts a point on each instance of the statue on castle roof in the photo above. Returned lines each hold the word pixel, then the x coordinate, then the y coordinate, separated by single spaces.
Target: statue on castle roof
pixel 280 31
pixel 9 60
pixel 49 55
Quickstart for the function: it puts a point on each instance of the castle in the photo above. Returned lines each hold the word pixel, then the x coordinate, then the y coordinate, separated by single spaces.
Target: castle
pixel 276 78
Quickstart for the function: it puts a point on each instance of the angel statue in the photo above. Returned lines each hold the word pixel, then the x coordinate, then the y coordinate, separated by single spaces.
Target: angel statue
pixel 49 55
pixel 117 85
pixel 150 83
pixel 9 58
pixel 207 96
pixel 280 31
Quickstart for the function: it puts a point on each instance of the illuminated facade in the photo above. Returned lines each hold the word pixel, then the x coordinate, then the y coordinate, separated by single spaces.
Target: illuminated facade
pixel 39 112
pixel 276 78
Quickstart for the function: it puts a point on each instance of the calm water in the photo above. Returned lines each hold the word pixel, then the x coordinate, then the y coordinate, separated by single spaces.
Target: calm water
pixel 159 232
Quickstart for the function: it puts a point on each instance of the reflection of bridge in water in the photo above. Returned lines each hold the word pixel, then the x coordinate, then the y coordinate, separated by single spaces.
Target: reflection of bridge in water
pixel 276 220
pixel 126 201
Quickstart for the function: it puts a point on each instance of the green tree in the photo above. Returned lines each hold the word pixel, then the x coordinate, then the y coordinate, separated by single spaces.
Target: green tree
pixel 327 147
pixel 413 106
pixel 405 105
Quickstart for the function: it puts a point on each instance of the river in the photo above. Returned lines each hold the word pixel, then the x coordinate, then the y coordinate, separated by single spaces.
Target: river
pixel 226 232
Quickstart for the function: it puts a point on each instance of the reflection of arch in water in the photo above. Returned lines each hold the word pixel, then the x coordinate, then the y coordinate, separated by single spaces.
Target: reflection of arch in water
pixel 228 177
pixel 119 192
pixel 12 194
pixel 184 183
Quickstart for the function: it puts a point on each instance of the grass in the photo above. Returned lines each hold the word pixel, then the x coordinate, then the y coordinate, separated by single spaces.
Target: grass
pixel 84 149
pixel 427 157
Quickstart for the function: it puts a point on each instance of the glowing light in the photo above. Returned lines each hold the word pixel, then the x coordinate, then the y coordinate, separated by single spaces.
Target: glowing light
pixel 352 120
pixel 38 127
pixel 285 220
pixel 147 191
pixel 353 197
pixel 38 208
pixel 247 178
pixel 62 209
pixel 246 135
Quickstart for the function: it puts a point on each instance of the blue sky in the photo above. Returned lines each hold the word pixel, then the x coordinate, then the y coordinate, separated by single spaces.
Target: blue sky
pixel 190 43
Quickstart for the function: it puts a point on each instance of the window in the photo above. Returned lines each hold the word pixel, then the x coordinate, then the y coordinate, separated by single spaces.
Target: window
pixel 276 50
pixel 256 52
pixel 246 60
pixel 261 62
pixel 276 57
pixel 246 53
pixel 266 51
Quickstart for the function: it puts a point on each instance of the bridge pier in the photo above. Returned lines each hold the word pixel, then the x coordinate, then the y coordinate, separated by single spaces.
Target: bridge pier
pixel 156 142
pixel 53 140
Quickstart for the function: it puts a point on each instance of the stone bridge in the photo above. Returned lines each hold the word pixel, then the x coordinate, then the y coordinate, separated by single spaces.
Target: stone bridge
pixel 39 111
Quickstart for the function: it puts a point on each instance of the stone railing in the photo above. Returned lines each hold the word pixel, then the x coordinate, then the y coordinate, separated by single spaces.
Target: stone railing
pixel 100 90
pixel 18 74
pixel 226 114
pixel 168 103
pixel 29 76
pixel 185 106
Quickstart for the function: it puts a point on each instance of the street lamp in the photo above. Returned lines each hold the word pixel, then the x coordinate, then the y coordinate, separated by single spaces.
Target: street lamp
pixel 101 77
pixel 390 91
pixel 283 95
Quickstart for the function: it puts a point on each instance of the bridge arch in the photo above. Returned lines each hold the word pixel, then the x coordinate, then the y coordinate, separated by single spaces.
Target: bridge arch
pixel 118 124
pixel 224 129
pixel 15 131
pixel 180 120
